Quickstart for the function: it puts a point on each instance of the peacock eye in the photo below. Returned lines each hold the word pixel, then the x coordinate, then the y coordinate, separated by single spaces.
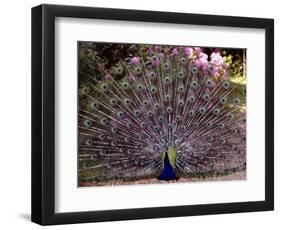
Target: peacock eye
pixel 93 157
pixel 191 113
pixel 145 102
pixel 104 86
pixel 195 136
pixel 191 99
pixel 114 130
pixel 95 105
pixel 208 82
pixel 202 110
pixel 118 70
pixel 127 139
pixel 181 88
pixel 195 125
pixel 236 101
pixel 87 123
pixel 138 70
pixel 153 89
pixel 137 113
pixel 152 74
pixel 101 136
pixel 216 111
pixel 140 87
pixel 141 137
pixel 156 128
pixel 167 97
pixel 143 125
pixel 194 84
pixel 180 75
pixel 160 119
pixel 223 100
pixel 113 143
pixel 178 117
pixel 85 90
pixel 113 101
pixel 89 142
pixel 169 109
pixel 129 125
pixel 102 152
pixel 156 105
pixel 183 60
pixel 104 121
pixel 222 140
pixel 230 116
pixel 209 124
pixel 234 131
pixel 180 103
pixel 194 70
pixel 127 101
pixel 167 80
pixel 226 84
pixel 86 165
pixel 206 97
pixel 120 114
pixel 170 126
pixel 125 85
pixel 150 114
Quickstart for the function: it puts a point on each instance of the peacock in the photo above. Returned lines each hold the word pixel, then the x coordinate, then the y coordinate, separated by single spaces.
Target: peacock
pixel 159 113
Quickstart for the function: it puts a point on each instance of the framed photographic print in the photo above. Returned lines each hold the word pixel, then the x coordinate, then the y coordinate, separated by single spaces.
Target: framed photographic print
pixel 142 114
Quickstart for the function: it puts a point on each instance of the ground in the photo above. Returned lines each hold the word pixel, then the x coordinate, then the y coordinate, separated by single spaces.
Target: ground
pixel 241 175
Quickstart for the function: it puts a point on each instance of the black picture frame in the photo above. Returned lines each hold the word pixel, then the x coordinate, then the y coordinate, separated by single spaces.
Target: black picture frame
pixel 43 110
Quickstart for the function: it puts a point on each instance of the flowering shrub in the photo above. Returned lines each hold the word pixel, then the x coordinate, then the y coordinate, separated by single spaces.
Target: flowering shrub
pixel 102 61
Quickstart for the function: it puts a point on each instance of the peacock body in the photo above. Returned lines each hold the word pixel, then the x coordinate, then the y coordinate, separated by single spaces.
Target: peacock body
pixel 162 112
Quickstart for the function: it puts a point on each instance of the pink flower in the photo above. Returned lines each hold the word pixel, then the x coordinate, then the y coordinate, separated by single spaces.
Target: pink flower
pixel 218 66
pixel 225 74
pixel 188 51
pixel 217 59
pixel 131 77
pixel 150 50
pixel 107 76
pixel 175 51
pixel 202 62
pixel 101 67
pixel 156 62
pixel 135 60
pixel 214 71
pixel 157 48
pixel 203 56
pixel 197 63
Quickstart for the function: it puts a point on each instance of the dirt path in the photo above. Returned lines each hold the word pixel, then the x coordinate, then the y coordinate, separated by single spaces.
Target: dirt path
pixel 234 176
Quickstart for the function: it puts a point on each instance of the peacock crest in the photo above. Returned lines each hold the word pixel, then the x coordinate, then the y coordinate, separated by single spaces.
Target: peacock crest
pixel 154 112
